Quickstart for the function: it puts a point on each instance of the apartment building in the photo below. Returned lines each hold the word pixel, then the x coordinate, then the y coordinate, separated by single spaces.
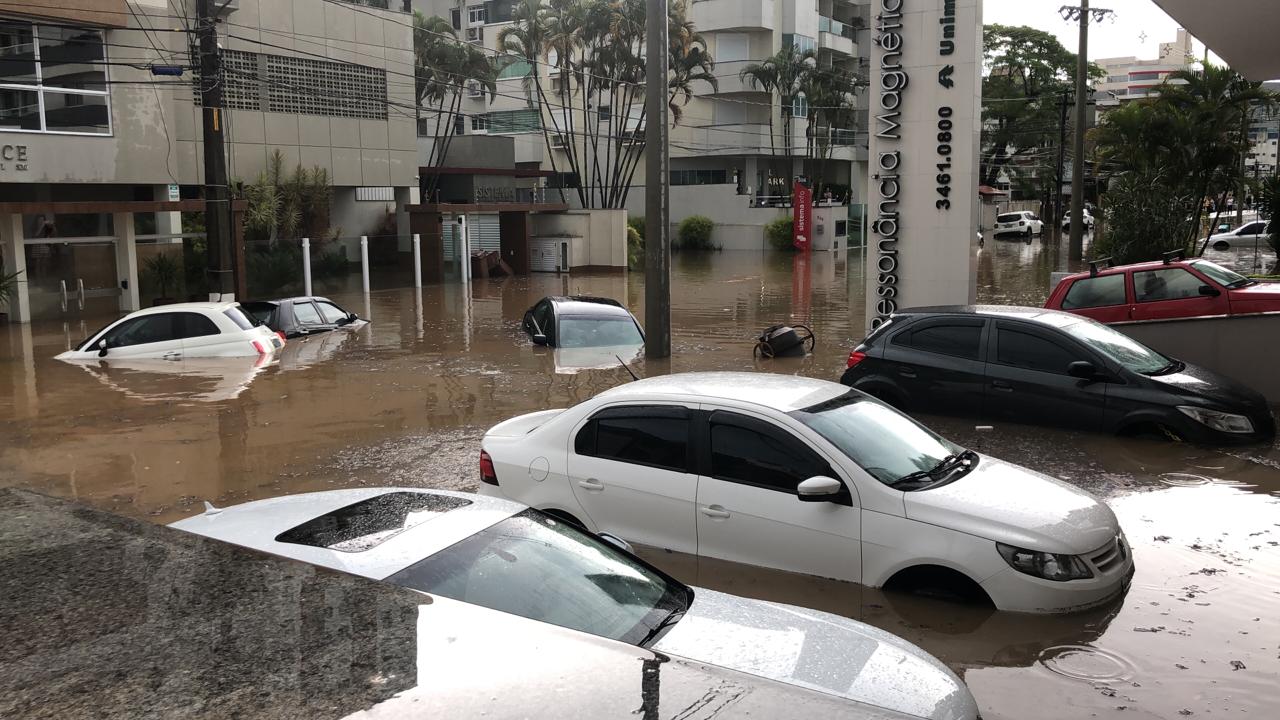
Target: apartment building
pixel 729 158
pixel 1129 78
pixel 1263 158
pixel 85 118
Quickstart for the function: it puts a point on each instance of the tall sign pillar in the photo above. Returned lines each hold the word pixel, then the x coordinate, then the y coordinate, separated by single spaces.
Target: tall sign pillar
pixel 924 119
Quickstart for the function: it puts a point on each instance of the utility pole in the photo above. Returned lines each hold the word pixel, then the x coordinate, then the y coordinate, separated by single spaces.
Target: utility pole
pixel 1057 171
pixel 1082 13
pixel 657 190
pixel 217 203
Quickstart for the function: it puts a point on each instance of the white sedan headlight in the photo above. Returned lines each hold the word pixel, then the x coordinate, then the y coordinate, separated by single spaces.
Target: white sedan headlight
pixel 1220 421
pixel 1050 566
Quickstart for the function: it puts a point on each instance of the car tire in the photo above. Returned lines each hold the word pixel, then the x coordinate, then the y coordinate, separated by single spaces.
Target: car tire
pixel 1221 245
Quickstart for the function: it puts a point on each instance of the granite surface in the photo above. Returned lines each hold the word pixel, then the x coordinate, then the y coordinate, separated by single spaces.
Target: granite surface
pixel 107 617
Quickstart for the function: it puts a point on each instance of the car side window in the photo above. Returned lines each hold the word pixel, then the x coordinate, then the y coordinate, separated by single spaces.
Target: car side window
pixel 1032 352
pixel 1094 292
pixel 192 325
pixel 543 317
pixel 656 436
pixel 752 452
pixel 961 338
pixel 332 313
pixel 307 314
pixel 143 330
pixel 1170 284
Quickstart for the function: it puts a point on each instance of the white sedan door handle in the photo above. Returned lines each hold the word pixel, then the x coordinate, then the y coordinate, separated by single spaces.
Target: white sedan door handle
pixel 715 511
pixel 591 484
pixel 172 356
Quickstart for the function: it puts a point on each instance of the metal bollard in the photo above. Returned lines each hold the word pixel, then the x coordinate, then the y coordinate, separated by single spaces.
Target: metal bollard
pixel 306 266
pixel 417 261
pixel 364 262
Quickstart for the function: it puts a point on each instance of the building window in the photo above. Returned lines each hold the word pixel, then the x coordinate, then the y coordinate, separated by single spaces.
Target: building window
pixel 512 68
pixel 459 125
pixel 301 86
pixel 801 43
pixel 514 122
pixel 479 123
pixel 800 106
pixel 477 15
pixel 53 79
pixel 699 177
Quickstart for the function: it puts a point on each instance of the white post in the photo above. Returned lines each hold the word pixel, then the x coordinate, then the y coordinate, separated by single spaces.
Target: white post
pixel 417 261
pixel 306 266
pixel 364 261
pixel 464 249
pixel 127 261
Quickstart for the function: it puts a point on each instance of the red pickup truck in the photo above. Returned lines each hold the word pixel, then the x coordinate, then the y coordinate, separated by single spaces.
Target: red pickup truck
pixel 1171 288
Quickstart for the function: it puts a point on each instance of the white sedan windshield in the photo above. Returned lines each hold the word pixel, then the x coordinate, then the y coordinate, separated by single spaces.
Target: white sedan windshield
pixel 881 440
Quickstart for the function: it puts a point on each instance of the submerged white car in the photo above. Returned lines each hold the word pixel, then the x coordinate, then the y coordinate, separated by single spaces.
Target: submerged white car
pixel 1023 222
pixel 506 556
pixel 1251 233
pixel 175 332
pixel 811 477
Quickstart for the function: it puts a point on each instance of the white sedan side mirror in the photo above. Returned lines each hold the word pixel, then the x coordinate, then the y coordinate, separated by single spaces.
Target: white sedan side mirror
pixel 819 489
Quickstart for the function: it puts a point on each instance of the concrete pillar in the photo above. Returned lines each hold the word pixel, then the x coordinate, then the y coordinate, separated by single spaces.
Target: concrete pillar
pixel 751 177
pixel 127 261
pixel 15 261
pixel 167 223
pixel 404 196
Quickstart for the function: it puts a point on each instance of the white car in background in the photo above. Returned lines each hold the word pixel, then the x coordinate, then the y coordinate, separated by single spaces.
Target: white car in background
pixel 1087 217
pixel 175 332
pixel 811 477
pixel 1244 236
pixel 508 557
pixel 1023 222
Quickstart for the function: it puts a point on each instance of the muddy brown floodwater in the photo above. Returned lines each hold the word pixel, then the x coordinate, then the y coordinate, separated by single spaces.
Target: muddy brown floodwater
pixel 405 400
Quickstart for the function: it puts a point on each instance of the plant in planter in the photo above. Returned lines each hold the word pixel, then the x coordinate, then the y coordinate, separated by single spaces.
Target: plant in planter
pixel 8 288
pixel 161 272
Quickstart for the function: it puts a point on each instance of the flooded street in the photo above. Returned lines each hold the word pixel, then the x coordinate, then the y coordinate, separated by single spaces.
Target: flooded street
pixel 404 401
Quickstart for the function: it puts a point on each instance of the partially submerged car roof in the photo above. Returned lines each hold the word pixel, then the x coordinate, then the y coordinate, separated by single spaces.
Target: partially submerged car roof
pixel 137 619
pixel 588 305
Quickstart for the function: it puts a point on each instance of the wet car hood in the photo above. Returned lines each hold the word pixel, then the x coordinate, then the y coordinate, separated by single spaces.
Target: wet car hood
pixel 819 651
pixel 1254 293
pixel 1016 506
pixel 1218 390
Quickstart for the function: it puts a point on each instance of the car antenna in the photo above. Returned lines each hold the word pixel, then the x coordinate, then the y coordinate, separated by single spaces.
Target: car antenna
pixel 209 509
pixel 627 368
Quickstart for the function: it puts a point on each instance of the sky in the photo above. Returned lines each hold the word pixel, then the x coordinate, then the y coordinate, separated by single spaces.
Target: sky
pixel 1137 28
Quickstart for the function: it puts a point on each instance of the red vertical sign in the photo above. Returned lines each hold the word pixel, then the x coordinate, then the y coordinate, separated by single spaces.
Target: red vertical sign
pixel 802 217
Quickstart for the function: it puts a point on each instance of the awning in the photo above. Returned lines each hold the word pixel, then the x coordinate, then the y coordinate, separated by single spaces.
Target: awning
pixel 1242 32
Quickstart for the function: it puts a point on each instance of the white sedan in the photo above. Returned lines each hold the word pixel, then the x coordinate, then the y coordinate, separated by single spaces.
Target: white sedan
pixel 506 556
pixel 175 332
pixel 811 477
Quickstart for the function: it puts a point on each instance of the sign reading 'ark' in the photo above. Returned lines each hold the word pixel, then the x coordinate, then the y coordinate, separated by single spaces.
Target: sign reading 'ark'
pixel 922 196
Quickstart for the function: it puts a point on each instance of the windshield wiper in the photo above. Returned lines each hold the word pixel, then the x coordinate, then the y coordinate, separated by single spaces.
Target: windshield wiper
pixel 1242 282
pixel 1173 366
pixel 941 466
pixel 666 622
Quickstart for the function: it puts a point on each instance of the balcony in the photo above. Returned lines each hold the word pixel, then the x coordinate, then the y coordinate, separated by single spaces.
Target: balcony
pixel 712 15
pixel 728 80
pixel 729 139
pixel 836 37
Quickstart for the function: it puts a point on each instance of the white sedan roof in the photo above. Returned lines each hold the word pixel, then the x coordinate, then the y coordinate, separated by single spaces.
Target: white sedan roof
pixel 783 393
pixel 257 524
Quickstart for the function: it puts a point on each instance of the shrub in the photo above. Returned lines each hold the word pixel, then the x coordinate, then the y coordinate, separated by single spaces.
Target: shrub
pixel 1144 215
pixel 1269 206
pixel 779 234
pixel 635 249
pixel 636 222
pixel 694 233
pixel 160 273
pixel 274 269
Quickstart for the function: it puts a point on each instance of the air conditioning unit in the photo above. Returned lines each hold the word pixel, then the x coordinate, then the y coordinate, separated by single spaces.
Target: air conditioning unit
pixel 474 89
pixel 559 140
pixel 475 34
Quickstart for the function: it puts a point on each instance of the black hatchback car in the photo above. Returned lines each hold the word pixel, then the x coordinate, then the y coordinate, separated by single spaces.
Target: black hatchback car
pixel 298 316
pixel 1041 366
pixel 580 322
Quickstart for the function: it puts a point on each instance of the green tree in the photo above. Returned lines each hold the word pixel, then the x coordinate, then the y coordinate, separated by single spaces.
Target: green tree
pixel 1269 207
pixel 1030 73
pixel 443 70
pixel 783 75
pixel 832 116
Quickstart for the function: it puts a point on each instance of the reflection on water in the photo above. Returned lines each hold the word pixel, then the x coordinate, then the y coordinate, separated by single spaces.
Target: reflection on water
pixel 405 400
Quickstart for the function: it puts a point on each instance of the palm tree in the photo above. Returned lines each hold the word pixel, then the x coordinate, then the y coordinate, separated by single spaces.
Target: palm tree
pixel 831 110
pixel 782 75
pixel 526 38
pixel 1218 101
pixel 690 62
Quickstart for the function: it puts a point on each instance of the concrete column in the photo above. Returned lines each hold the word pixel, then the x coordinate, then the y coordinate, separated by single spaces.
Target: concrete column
pixel 751 177
pixel 404 196
pixel 15 261
pixel 127 261
pixel 167 223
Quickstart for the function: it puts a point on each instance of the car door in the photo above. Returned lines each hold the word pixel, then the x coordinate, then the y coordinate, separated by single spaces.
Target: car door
pixel 1175 292
pixel 309 318
pixel 629 468
pixel 1027 378
pixel 148 336
pixel 937 364
pixel 1251 233
pixel 1102 298
pixel 333 315
pixel 748 508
